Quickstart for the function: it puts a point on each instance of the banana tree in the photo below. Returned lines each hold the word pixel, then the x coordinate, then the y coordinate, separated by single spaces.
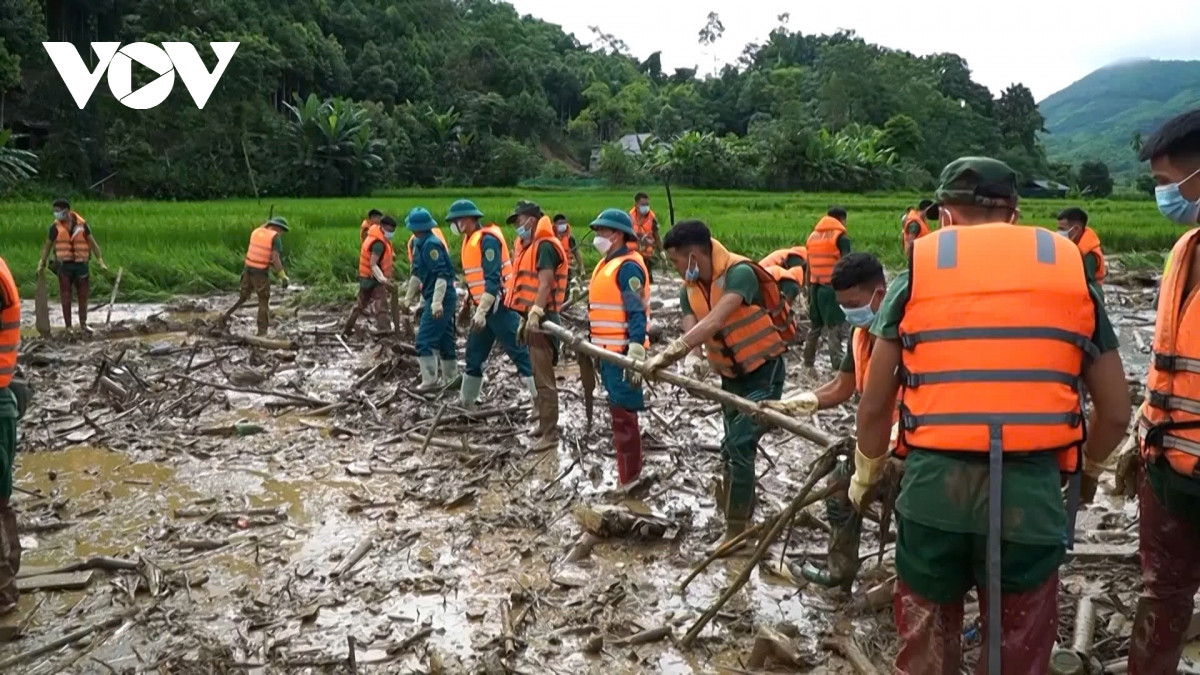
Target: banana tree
pixel 16 165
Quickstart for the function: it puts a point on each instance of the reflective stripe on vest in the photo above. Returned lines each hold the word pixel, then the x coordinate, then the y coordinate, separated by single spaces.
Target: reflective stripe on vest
pixel 472 261
pixel 779 258
pixel 823 251
pixel 68 246
pixel 1169 423
pixel 258 254
pixel 1089 242
pixel 412 240
pixel 994 335
pixel 606 305
pixel 753 334
pixel 522 288
pixel 643 227
pixel 861 345
pixel 10 325
pixel 387 262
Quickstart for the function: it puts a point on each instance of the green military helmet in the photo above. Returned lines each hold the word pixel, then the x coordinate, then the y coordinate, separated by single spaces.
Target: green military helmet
pixel 978 181
pixel 463 208
pixel 615 219
pixel 420 220
pixel 280 222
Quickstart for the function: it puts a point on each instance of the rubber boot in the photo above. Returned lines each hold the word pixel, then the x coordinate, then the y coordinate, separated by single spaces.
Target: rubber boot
pixel 627 440
pixel 10 558
pixel 720 490
pixel 548 406
pixel 468 394
pixel 429 373
pixel 535 415
pixel 547 397
pixel 348 327
pixel 264 317
pixel 450 376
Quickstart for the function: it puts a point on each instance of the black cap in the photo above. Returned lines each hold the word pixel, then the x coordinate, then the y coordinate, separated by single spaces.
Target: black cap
pixel 524 208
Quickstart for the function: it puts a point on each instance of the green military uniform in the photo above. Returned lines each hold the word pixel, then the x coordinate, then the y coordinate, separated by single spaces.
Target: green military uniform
pixel 1091 265
pixel 742 431
pixel 793 260
pixel 942 507
pixel 549 259
pixel 790 289
pixel 825 316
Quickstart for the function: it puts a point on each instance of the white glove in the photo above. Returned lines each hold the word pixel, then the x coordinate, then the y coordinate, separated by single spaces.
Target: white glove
pixel 803 404
pixel 439 296
pixel 698 366
pixel 479 319
pixel 636 352
pixel 867 472
pixel 674 351
pixel 412 291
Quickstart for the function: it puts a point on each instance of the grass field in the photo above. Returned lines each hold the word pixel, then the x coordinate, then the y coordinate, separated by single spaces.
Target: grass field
pixel 198 247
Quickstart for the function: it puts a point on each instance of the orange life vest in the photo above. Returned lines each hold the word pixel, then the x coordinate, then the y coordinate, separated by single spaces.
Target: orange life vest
pixel 1089 242
pixel 753 334
pixel 823 251
pixel 412 242
pixel 363 228
pixel 912 216
pixel 779 258
pixel 387 262
pixel 564 239
pixel 861 344
pixel 10 325
pixel 258 255
pixel 995 332
pixel 779 273
pixel 472 261
pixel 643 227
pixel 606 305
pixel 523 286
pixel 1169 423
pixel 68 246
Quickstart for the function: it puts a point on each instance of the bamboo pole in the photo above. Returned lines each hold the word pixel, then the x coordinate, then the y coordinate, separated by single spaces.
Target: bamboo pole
pixel 694 387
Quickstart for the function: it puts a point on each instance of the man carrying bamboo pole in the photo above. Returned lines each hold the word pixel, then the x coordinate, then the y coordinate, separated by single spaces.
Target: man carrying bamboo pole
pixel 985 339
pixel 732 308
pixel 618 314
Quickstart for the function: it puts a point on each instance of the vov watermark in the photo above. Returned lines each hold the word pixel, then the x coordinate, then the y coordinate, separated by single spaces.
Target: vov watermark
pixel 171 58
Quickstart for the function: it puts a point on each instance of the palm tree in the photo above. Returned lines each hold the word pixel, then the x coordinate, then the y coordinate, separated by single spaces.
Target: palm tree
pixel 1135 141
pixel 15 165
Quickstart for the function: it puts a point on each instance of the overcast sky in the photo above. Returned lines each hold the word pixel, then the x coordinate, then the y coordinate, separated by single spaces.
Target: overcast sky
pixel 1046 44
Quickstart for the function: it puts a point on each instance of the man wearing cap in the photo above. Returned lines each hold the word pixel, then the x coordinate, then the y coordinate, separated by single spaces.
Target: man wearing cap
pixel 915 224
pixel 70 237
pixel 486 270
pixel 985 339
pixel 536 291
pixel 618 313
pixel 435 274
pixel 826 245
pixel 263 254
pixel 376 267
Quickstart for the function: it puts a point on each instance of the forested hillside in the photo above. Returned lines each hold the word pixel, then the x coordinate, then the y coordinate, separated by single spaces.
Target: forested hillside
pixel 1102 116
pixel 339 97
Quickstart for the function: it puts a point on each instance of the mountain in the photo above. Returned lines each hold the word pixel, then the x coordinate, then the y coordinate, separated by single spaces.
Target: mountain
pixel 1096 117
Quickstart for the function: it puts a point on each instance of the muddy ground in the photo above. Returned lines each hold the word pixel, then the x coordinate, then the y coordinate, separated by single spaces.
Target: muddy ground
pixel 225 552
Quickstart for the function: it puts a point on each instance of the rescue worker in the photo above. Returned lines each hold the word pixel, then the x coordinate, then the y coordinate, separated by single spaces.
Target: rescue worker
pixel 791 281
pixel 374 217
pixel 536 291
pixel 562 230
pixel 436 348
pixel 376 269
pixel 826 246
pixel 618 315
pixel 1073 224
pixel 645 225
pixel 733 309
pixel 787 258
pixel 70 237
pixel 1168 426
pixel 413 288
pixel 915 225
pixel 860 284
pixel 10 339
pixel 263 254
pixel 487 269
pixel 985 340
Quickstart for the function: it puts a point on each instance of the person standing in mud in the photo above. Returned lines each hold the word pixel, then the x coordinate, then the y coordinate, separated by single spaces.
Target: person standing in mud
pixel 436 349
pixel 825 247
pixel 486 270
pixel 985 339
pixel 1168 423
pixel 263 255
pixel 618 315
pixel 413 289
pixel 70 237
pixel 376 269
pixel 733 309
pixel 10 339
pixel 536 291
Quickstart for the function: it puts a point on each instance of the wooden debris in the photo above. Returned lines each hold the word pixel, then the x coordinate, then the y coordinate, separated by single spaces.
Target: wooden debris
pixel 93 563
pixel 112 299
pixel 354 557
pixel 67 639
pixel 583 548
pixel 1093 553
pixel 644 637
pixel 770 643
pixel 849 648
pixel 67 581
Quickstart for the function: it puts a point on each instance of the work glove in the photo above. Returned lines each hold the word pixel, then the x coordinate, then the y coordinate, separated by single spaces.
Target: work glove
pixel 1128 459
pixel 674 351
pixel 867 472
pixel 283 279
pixel 479 319
pixel 638 353
pixel 697 366
pixel 802 404
pixel 521 336
pixel 103 265
pixel 533 320
pixel 436 308
pixel 412 291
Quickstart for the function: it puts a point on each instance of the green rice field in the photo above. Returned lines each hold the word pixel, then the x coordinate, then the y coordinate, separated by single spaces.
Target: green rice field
pixel 171 248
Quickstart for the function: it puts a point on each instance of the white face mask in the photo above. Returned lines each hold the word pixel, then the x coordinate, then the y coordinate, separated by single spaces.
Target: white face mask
pixel 643 209
pixel 455 228
pixel 562 228
pixel 602 244
pixel 61 215
pixel 389 234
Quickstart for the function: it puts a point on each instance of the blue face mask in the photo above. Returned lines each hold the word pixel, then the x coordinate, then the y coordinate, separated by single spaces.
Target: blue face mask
pixel 692 275
pixel 1174 206
pixel 389 234
pixel 860 316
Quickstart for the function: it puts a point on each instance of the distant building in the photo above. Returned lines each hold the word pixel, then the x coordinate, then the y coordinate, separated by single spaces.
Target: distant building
pixel 1040 187
pixel 630 143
